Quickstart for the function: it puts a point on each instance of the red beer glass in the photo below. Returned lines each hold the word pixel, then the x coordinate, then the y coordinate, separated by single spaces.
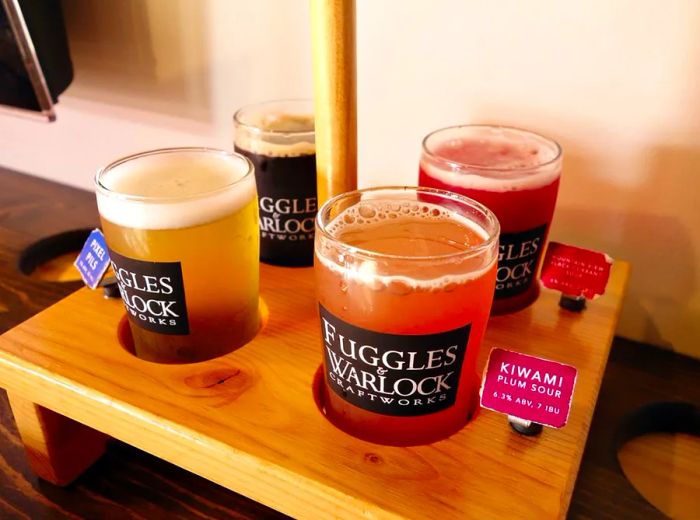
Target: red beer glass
pixel 513 172
pixel 405 280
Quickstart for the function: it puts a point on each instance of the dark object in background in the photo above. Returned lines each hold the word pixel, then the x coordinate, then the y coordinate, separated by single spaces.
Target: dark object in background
pixel 35 65
pixel 51 247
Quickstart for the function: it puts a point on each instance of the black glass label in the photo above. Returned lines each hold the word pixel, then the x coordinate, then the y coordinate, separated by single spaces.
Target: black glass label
pixel 287 204
pixel 518 257
pixel 393 374
pixel 153 293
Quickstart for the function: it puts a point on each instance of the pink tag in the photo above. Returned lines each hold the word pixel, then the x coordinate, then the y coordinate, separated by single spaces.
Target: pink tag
pixel 575 271
pixel 528 387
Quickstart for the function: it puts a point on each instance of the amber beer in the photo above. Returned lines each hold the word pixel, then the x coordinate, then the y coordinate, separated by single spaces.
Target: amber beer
pixel 182 229
pixel 405 280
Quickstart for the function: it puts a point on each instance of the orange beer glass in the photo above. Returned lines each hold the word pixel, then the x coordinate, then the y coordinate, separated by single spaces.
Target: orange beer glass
pixel 405 280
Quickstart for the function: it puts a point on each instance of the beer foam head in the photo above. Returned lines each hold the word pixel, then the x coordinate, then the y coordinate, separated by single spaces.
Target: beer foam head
pixel 468 261
pixel 167 189
pixel 491 158
pixel 276 129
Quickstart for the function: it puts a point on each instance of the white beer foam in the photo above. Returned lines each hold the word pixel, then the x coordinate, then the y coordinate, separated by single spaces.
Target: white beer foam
pixel 292 128
pixel 259 147
pixel 523 174
pixel 355 217
pixel 174 190
pixel 366 274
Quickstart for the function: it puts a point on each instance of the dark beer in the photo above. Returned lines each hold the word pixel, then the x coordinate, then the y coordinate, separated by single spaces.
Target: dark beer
pixel 278 138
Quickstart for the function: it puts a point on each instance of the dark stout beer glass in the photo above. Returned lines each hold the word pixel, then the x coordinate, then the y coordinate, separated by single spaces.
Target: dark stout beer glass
pixel 278 137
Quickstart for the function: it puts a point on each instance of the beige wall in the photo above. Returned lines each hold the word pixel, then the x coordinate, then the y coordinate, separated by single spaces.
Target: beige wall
pixel 617 83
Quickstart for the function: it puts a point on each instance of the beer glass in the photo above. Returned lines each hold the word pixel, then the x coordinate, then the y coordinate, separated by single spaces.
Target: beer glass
pixel 405 280
pixel 278 137
pixel 181 225
pixel 516 174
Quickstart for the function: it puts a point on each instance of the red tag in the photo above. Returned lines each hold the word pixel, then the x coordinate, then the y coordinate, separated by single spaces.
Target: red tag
pixel 528 387
pixel 575 271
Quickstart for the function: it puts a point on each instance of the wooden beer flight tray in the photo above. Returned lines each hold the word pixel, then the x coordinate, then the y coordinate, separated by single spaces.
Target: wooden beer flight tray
pixel 248 420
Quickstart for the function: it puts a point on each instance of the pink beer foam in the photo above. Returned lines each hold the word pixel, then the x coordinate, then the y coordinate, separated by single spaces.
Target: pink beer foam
pixel 382 212
pixel 491 158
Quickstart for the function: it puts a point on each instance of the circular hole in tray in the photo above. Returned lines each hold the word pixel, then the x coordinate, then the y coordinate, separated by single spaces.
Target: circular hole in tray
pixel 319 392
pixel 126 339
pixel 51 259
pixel 658 449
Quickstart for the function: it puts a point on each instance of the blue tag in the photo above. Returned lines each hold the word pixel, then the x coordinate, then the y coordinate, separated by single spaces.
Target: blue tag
pixel 93 260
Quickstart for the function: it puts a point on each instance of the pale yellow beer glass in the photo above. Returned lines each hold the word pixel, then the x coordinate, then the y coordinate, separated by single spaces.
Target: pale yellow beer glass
pixel 181 225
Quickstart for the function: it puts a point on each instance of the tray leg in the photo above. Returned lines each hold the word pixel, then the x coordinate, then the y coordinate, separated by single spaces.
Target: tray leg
pixel 59 449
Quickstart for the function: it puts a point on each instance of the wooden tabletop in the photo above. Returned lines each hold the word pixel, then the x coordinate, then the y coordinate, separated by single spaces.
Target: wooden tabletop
pixel 129 483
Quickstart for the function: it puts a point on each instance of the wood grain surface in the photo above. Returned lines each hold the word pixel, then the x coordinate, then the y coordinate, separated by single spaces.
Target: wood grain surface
pixel 636 376
pixel 58 449
pixel 248 421
pixel 128 483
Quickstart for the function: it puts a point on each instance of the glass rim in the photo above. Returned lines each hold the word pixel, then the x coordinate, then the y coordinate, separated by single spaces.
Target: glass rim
pixel 492 236
pixel 238 122
pixel 488 171
pixel 104 190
